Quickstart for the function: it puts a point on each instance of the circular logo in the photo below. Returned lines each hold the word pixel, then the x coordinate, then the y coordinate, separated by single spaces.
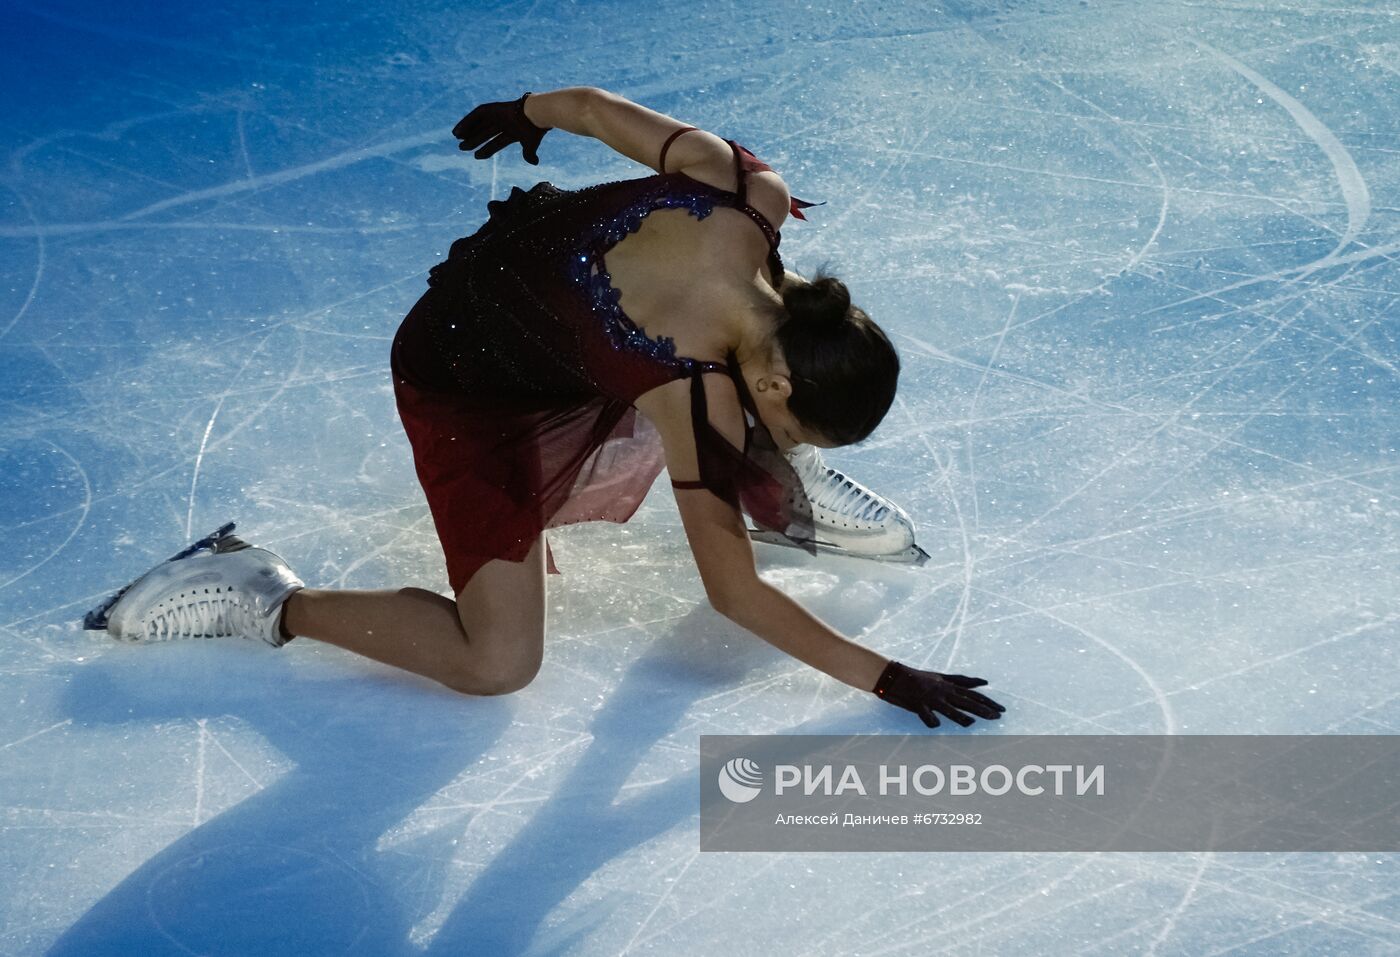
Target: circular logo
pixel 740 780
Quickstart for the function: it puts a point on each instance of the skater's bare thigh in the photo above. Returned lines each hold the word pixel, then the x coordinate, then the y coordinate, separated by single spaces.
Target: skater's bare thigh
pixel 502 608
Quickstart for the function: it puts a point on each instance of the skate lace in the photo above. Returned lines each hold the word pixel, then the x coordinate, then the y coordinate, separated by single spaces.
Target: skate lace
pixel 212 615
pixel 831 490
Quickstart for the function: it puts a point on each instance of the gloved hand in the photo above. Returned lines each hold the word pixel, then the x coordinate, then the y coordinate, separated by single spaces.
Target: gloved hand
pixel 507 123
pixel 924 692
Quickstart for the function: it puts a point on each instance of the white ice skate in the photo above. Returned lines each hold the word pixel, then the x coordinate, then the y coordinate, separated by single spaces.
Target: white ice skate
pixel 217 587
pixel 847 517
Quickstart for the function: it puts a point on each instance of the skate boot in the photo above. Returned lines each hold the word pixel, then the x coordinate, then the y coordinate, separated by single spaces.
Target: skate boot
pixel 847 517
pixel 218 587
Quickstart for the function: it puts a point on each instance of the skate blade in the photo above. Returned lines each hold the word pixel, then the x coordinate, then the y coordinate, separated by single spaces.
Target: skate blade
pixel 218 540
pixel 913 555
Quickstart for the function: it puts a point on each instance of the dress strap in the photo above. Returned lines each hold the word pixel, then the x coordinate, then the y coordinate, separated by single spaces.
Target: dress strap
pixel 758 478
pixel 667 145
pixel 749 163
pixel 718 460
pixel 744 163
pixel 705 365
pixel 741 172
pixel 730 367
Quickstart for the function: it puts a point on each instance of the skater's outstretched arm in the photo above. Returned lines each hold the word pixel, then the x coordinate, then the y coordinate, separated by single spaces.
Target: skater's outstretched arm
pixel 631 129
pixel 637 132
pixel 724 557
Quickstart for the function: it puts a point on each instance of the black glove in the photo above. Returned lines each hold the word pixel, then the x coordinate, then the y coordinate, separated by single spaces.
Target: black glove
pixel 924 692
pixel 507 123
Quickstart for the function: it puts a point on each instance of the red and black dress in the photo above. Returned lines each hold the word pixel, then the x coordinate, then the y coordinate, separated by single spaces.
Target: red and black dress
pixel 516 371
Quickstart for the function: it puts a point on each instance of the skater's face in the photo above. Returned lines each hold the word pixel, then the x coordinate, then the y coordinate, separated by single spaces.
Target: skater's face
pixel 771 399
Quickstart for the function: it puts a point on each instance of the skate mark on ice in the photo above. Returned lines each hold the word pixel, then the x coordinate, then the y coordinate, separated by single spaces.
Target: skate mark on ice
pixel 1165 187
pixel 660 901
pixel 1159 697
pixel 964 931
pixel 204 441
pixel 1230 885
pixel 214 740
pixel 972 412
pixel 125 35
pixel 56 819
pixel 637 623
pixel 1125 457
pixel 243 143
pixel 1352 184
pixel 1201 131
pixel 736 889
pixel 965 899
pixel 199 772
pixel 1170 921
pixel 1294 382
pixel 1163 421
pixel 31 737
pixel 413 530
pixel 1175 519
pixel 40 254
pixel 1099 406
pixel 959 615
pixel 451 891
pixel 1349 178
pixel 83 508
pixel 1263 662
pixel 198 460
pixel 336 161
pixel 91 227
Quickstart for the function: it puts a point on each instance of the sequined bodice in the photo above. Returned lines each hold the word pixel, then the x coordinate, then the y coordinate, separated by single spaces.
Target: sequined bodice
pixel 530 309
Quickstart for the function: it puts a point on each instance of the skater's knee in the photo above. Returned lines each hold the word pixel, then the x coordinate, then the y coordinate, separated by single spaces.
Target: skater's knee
pixel 511 680
pixel 498 681
pixel 495 672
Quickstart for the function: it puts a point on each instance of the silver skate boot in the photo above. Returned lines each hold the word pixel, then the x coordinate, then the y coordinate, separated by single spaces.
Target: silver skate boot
pixel 847 517
pixel 218 587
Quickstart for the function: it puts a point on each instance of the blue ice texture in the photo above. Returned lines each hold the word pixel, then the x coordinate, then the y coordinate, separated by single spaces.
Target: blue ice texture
pixel 1140 264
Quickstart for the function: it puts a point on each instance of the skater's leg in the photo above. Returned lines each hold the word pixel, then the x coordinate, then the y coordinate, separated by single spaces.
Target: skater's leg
pixel 490 641
pixel 502 611
pixel 409 628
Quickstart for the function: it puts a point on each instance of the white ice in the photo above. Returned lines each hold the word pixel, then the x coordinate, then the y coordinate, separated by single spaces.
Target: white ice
pixel 1140 260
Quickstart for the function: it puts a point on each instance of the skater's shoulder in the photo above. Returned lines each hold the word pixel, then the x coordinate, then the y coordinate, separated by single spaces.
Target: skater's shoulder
pixel 690 413
pixel 707 394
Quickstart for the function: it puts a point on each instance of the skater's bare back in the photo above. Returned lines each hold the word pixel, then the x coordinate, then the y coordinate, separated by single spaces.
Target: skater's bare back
pixel 704 283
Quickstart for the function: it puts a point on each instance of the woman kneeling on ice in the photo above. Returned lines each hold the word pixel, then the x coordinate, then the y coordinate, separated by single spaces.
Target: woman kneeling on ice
pixel 532 400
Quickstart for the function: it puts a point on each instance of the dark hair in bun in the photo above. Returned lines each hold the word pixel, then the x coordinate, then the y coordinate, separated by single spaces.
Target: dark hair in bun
pixel 844 369
pixel 824 301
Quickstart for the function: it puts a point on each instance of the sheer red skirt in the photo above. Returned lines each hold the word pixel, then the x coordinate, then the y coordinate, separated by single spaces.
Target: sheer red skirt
pixel 498 474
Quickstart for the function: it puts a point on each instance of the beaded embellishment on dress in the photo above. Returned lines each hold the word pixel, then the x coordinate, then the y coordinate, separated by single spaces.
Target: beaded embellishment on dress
pixel 587 269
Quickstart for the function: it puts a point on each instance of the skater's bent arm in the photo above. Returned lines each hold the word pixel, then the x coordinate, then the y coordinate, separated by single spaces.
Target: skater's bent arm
pixel 631 129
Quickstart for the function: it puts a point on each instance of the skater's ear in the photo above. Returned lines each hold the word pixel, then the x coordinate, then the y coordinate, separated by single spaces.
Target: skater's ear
pixel 779 382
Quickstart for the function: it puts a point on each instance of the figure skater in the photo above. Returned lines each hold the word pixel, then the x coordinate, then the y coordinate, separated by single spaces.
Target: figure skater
pixel 532 400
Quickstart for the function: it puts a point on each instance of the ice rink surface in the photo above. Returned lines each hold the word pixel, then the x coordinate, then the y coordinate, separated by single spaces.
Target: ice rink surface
pixel 1140 262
